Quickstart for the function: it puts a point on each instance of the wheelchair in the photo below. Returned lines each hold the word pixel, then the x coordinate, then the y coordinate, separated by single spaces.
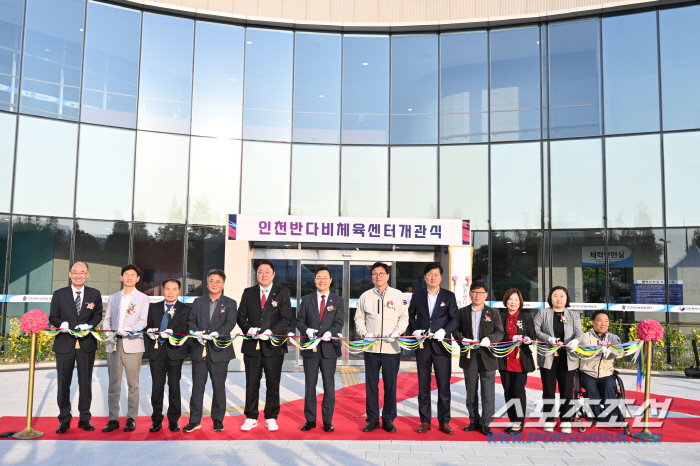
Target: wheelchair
pixel 581 416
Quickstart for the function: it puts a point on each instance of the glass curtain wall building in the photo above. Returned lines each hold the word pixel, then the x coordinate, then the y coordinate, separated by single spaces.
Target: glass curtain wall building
pixel 572 146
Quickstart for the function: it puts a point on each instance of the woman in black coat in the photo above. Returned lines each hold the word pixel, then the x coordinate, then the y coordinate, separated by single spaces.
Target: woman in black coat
pixel 513 368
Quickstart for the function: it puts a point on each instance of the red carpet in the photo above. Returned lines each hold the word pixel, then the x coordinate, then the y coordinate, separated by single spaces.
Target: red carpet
pixel 348 421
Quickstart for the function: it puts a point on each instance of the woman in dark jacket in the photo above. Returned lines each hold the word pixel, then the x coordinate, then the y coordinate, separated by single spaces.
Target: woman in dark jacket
pixel 517 324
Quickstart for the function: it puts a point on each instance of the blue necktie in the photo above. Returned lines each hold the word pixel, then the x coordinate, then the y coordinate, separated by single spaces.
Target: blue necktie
pixel 78 304
pixel 165 321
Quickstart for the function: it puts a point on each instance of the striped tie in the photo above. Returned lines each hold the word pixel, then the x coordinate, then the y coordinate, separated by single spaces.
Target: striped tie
pixel 78 304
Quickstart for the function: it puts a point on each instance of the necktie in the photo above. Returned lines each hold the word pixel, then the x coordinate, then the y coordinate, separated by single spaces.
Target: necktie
pixel 263 301
pixel 164 322
pixel 323 305
pixel 78 304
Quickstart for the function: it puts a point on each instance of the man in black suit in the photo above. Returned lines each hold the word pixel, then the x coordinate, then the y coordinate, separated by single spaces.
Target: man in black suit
pixel 433 312
pixel 211 316
pixel 165 359
pixel 263 306
pixel 479 323
pixel 76 307
pixel 321 315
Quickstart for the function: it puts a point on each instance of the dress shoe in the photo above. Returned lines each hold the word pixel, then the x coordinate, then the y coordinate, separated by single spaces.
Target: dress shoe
pixel 155 427
pixel 130 425
pixel 328 427
pixel 308 426
pixel 388 425
pixel 424 427
pixel 174 427
pixel 63 427
pixel 86 426
pixel 372 424
pixel 218 426
pixel 446 429
pixel 191 427
pixel 471 427
pixel 486 430
pixel 111 425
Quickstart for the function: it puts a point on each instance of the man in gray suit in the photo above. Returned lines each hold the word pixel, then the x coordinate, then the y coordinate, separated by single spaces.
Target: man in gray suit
pixel 212 316
pixel 127 311
pixel 321 315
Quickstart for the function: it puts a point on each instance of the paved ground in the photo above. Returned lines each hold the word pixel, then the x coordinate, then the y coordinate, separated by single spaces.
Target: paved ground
pixel 302 453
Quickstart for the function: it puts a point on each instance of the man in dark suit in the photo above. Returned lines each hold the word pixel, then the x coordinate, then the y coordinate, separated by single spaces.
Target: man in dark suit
pixel 211 316
pixel 165 359
pixel 479 323
pixel 76 307
pixel 321 315
pixel 263 306
pixel 433 312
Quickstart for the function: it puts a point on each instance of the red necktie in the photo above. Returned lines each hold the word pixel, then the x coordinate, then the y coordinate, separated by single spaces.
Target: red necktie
pixel 323 305
pixel 262 301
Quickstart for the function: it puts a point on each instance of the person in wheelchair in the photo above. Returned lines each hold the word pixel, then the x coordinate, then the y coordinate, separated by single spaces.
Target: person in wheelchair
pixel 596 373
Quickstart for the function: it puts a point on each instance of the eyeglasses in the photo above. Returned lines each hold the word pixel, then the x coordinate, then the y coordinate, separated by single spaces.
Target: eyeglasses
pixel 379 275
pixel 129 275
pixel 478 293
pixel 79 274
pixel 434 275
pixel 215 282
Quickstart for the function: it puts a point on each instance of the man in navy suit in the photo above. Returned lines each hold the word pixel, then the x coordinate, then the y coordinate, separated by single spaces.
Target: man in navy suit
pixel 433 312
pixel 75 307
pixel 321 315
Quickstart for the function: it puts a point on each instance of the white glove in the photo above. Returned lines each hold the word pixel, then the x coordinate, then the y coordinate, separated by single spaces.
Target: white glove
pixel 165 335
pixel 467 341
pixel 199 334
pixel 369 335
pixel 606 351
pixel 253 331
pixel 122 333
pixel 151 334
pixel 326 336
pixel 552 341
pixel 418 333
pixel 266 334
pixel 485 342
pixel 214 334
pixel 392 337
pixel 439 335
pixel 110 336
pixel 310 332
pixel 573 344
pixel 517 337
pixel 527 340
pixel 64 327
pixel 206 336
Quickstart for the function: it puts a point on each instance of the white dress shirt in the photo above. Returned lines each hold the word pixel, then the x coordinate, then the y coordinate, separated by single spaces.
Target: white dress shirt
pixel 123 305
pixel 265 292
pixel 318 299
pixel 432 300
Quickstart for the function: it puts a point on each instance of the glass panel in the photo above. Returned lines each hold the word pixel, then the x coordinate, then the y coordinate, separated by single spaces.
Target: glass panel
pixel 40 261
pixel 631 78
pixel 356 200
pixel 160 193
pixel 577 183
pixel 545 81
pixel 264 160
pixel 409 276
pixel 516 188
pixel 360 281
pixel 682 170
pixel 480 264
pixel 205 251
pixel 464 76
pixel 578 263
pixel 315 172
pixel 158 252
pixel 455 162
pixel 308 283
pixel 547 220
pixel 8 126
pixel 165 91
pixel 680 67
pixel 683 273
pixel 515 84
pixel 105 247
pixel 413 182
pixel 111 79
pixel 628 276
pixel 105 151
pixel 45 164
pixel 218 80
pixel 574 79
pixel 414 89
pixel 215 173
pixel 628 160
pixel 268 85
pixel 11 22
pixel 317 87
pixel 286 276
pixel 4 233
pixel 516 261
pixel 53 55
pixel 365 89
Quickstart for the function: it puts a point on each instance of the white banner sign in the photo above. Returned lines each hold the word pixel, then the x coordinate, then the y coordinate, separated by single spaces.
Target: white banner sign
pixel 461 273
pixel 349 230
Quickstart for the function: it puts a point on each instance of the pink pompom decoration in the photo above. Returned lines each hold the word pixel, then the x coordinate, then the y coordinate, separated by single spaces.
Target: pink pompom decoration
pixel 650 330
pixel 34 321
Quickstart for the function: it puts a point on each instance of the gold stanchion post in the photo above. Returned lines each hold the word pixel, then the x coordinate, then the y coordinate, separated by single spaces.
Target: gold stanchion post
pixel 29 432
pixel 646 434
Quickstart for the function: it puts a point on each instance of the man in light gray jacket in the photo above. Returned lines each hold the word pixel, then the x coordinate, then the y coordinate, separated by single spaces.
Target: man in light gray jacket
pixel 382 313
